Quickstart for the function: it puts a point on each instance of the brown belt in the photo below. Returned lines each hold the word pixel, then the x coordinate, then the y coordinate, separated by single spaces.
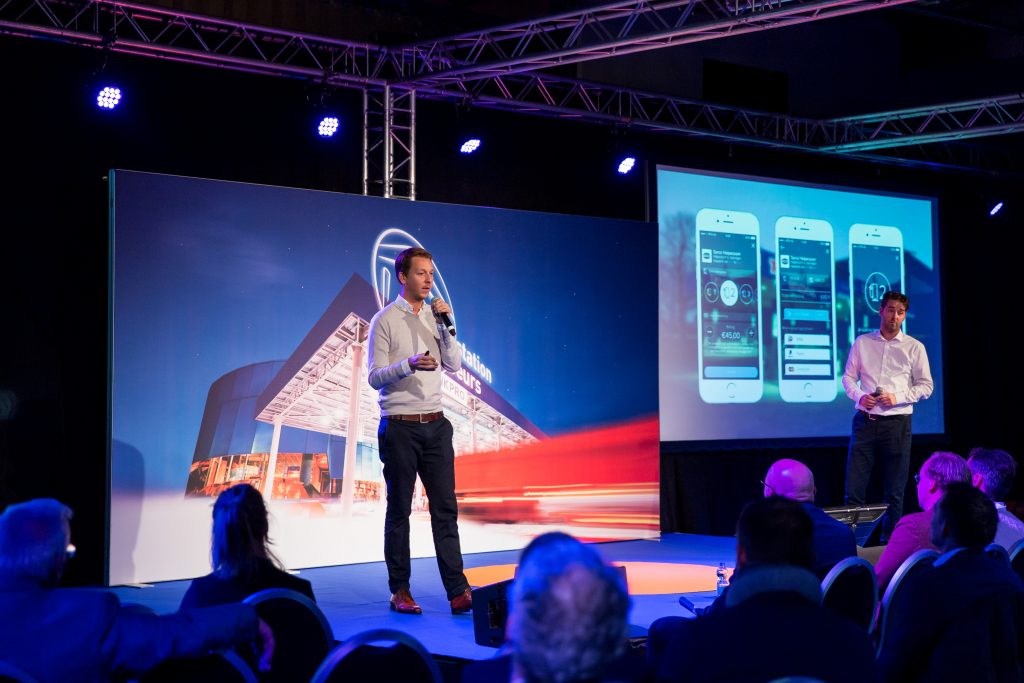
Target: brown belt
pixel 416 417
pixel 875 416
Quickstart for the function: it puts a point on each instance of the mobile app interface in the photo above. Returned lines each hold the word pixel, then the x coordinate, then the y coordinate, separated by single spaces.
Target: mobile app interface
pixel 806 309
pixel 729 291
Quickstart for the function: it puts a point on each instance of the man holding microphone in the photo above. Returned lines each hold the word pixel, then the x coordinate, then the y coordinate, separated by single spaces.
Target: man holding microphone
pixel 408 341
pixel 886 374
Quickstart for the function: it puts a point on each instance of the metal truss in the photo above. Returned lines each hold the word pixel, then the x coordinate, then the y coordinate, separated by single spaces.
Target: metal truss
pixel 389 142
pixel 955 121
pixel 564 98
pixel 131 28
pixel 484 68
pixel 610 30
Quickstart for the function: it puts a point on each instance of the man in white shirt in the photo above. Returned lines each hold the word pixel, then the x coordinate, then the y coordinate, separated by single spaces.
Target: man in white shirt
pixel 408 344
pixel 992 472
pixel 886 374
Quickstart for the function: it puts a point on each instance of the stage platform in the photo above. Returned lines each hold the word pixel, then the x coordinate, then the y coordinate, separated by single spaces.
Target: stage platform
pixel 355 597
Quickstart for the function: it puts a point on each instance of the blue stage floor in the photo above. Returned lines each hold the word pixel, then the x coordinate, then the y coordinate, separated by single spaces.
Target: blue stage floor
pixel 355 597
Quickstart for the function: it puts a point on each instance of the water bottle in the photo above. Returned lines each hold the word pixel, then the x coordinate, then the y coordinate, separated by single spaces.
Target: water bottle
pixel 722 582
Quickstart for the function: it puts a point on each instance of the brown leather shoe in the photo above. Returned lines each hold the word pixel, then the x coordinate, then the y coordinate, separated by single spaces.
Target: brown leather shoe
pixel 402 602
pixel 462 603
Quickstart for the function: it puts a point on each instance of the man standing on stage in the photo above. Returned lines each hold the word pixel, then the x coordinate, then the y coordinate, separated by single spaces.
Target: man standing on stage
pixel 886 374
pixel 407 344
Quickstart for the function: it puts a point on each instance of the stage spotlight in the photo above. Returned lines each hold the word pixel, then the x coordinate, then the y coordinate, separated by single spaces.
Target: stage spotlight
pixel 470 146
pixel 328 126
pixel 996 209
pixel 626 165
pixel 109 97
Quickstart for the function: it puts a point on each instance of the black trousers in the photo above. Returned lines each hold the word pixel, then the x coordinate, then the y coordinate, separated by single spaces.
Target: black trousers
pixel 886 439
pixel 424 448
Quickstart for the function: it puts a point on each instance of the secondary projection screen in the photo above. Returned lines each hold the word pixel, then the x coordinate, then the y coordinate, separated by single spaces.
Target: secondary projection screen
pixel 240 315
pixel 763 285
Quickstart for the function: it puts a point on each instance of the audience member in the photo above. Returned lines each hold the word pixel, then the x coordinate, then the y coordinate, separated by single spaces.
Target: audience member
pixel 913 532
pixel 962 618
pixel 243 563
pixel 567 618
pixel 64 634
pixel 773 624
pixel 833 540
pixel 992 471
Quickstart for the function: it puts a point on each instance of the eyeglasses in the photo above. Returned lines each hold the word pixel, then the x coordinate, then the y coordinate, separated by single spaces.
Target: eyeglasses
pixel 769 487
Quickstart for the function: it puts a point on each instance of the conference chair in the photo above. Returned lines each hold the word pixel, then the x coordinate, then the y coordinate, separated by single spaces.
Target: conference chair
pixel 997 552
pixel 1016 554
pixel 360 658
pixel 891 601
pixel 302 634
pixel 12 674
pixel 850 589
pixel 223 666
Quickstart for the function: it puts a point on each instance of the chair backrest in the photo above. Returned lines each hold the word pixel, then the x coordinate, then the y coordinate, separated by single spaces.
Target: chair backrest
pixel 918 561
pixel 12 674
pixel 223 666
pixel 1016 553
pixel 850 589
pixel 360 659
pixel 302 634
pixel 997 552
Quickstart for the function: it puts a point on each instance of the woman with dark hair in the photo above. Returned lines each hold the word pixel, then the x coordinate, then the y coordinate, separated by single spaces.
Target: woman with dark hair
pixel 242 561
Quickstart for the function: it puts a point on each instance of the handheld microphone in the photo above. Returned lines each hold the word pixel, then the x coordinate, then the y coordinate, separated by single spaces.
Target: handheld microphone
pixel 445 319
pixel 877 392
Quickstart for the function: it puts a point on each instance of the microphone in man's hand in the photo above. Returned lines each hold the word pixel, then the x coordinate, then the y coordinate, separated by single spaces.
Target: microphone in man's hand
pixel 445 319
pixel 877 392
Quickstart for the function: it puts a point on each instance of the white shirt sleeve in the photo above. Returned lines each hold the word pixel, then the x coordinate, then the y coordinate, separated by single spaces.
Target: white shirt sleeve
pixel 921 384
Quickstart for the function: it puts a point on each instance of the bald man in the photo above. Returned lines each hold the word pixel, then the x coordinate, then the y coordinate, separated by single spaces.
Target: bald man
pixel 833 540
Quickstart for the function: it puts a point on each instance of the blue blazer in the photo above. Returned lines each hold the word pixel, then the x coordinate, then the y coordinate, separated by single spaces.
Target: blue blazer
pixel 67 635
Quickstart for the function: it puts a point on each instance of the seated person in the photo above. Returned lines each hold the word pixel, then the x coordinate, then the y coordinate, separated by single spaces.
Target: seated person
pixel 772 625
pixel 567 618
pixel 242 561
pixel 66 634
pixel 913 531
pixel 992 471
pixel 962 618
pixel 833 540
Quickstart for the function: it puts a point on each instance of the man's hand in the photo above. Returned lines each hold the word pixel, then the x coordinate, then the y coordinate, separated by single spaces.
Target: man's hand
pixel 867 401
pixel 265 646
pixel 886 399
pixel 423 361
pixel 438 306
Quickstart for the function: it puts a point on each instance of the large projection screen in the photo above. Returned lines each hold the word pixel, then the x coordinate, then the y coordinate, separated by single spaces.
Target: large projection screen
pixel 240 316
pixel 763 285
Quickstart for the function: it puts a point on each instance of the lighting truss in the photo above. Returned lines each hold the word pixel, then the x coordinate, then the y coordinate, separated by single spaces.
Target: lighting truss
pixel 609 30
pixel 131 28
pixel 491 68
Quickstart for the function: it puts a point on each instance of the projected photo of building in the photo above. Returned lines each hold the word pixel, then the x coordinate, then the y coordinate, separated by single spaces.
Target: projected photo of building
pixel 287 427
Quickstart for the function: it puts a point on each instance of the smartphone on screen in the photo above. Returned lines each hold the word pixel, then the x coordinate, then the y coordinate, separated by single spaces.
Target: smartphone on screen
pixel 876 267
pixel 729 352
pixel 805 286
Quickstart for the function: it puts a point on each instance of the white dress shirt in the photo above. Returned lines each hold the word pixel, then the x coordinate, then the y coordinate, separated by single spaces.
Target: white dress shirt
pixel 898 365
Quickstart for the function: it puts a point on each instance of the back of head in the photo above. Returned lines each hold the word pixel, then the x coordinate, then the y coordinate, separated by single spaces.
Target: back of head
pixel 790 479
pixel 966 517
pixel 567 611
pixel 996 469
pixel 776 530
pixel 947 468
pixel 240 532
pixel 34 539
